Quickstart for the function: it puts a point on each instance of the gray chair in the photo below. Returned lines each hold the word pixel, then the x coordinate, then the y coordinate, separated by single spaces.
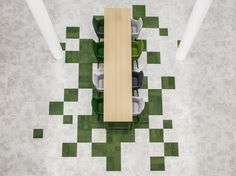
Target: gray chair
pixel 138 105
pixel 136 27
pixel 137 80
pixel 98 82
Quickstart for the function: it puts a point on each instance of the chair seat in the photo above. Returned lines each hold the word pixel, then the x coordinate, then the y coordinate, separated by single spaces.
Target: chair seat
pixel 135 106
pixel 135 82
pixel 100 52
pixel 100 107
pixel 134 51
pixel 100 83
pixel 134 29
pixel 101 29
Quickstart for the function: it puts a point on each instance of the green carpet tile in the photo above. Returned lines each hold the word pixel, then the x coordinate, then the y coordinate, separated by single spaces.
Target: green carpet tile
pixel 85 76
pixel 163 32
pixel 70 94
pixel 167 124
pixel 67 119
pixel 116 133
pixel 38 133
pixel 155 101
pixel 156 135
pixel 153 57
pixel 69 149
pixel 72 32
pixel 171 149
pixel 56 108
pixel 157 163
pixel 168 82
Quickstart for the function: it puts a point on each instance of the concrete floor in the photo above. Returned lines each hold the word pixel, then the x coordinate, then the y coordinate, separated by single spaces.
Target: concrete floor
pixel 203 106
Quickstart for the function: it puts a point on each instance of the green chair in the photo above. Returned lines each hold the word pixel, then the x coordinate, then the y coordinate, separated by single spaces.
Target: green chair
pixel 98 25
pixel 137 48
pixel 98 49
pixel 97 105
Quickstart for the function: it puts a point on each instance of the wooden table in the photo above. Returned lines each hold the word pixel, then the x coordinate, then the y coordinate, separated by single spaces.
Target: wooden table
pixel 117 65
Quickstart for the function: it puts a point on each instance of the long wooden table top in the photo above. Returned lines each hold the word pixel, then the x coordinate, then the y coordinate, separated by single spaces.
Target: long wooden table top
pixel 117 65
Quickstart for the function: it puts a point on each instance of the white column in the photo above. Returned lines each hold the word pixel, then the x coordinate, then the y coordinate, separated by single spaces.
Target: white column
pixel 194 23
pixel 41 17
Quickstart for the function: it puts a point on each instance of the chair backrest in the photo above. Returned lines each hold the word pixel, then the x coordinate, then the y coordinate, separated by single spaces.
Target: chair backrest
pixel 95 48
pixel 95 103
pixel 97 22
pixel 96 78
pixel 141 104
pixel 139 46
pixel 139 24
pixel 140 78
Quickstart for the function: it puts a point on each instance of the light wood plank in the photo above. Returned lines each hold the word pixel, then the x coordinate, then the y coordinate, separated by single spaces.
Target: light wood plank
pixel 117 65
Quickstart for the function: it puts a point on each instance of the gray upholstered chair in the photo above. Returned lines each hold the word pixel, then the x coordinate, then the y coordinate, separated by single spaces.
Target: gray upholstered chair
pixel 136 27
pixel 138 105
pixel 98 82
pixel 137 80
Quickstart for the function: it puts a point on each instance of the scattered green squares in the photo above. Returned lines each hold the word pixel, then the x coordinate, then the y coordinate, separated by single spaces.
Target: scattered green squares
pixel 168 82
pixel 56 108
pixel 155 102
pixel 112 148
pixel 67 119
pixel 99 149
pixel 84 135
pixel 85 76
pixel 167 124
pixel 63 46
pixel 157 163
pixel 72 57
pixel 72 32
pixel 163 32
pixel 150 22
pixel 156 135
pixel 113 163
pixel 139 11
pixel 171 149
pixel 71 95
pixel 153 57
pixel 38 133
pixel 69 149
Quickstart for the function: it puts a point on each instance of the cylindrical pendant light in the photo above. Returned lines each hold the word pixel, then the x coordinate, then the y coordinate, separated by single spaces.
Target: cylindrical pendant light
pixel 197 16
pixel 41 17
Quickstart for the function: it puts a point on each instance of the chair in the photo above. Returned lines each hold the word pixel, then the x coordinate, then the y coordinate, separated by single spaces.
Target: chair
pixel 137 80
pixel 98 49
pixel 97 106
pixel 136 27
pixel 138 106
pixel 98 25
pixel 98 82
pixel 137 48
